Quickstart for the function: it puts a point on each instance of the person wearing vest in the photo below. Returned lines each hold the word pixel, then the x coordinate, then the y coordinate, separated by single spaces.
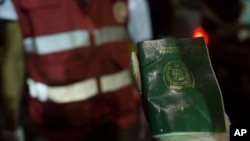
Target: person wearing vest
pixel 77 64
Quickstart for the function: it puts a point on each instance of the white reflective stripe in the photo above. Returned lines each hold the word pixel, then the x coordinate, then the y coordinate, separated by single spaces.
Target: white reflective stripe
pixel 76 92
pixel 82 90
pixel 57 42
pixel 110 34
pixel 115 81
pixel 38 90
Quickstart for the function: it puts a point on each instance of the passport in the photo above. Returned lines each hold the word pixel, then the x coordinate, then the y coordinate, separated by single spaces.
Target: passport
pixel 180 92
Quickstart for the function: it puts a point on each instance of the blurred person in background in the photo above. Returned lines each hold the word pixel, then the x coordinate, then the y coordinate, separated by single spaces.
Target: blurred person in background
pixel 12 74
pixel 77 61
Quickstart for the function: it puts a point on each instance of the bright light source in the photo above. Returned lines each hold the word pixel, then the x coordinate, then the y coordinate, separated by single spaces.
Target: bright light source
pixel 199 32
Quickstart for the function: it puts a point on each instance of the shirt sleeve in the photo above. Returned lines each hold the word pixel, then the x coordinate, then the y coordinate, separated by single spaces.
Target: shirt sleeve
pixel 7 10
pixel 139 25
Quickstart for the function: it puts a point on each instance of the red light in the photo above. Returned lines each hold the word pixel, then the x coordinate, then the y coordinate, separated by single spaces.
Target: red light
pixel 199 32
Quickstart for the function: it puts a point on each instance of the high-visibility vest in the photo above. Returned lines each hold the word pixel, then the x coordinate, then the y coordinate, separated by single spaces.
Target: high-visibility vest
pixel 74 52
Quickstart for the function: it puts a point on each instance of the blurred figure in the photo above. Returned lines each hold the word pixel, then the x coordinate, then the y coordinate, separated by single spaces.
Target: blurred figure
pixel 12 73
pixel 77 61
pixel 228 29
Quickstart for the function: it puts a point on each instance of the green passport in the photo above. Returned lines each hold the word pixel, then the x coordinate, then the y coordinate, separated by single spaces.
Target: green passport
pixel 179 89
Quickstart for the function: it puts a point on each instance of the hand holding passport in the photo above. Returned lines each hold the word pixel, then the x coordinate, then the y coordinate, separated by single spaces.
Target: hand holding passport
pixel 180 94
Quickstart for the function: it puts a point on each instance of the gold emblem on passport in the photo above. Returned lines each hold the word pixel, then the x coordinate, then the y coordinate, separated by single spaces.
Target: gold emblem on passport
pixel 120 11
pixel 178 76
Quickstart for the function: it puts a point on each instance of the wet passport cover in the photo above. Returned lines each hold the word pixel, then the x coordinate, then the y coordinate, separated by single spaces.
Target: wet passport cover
pixel 179 88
